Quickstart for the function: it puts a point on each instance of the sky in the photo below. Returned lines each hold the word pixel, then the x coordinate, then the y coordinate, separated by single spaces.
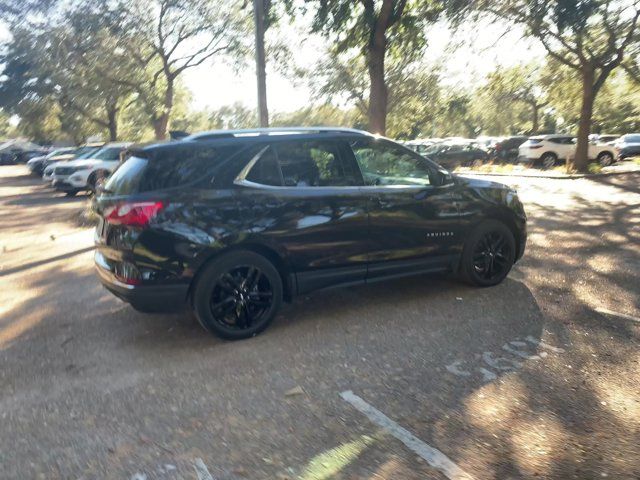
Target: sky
pixel 465 57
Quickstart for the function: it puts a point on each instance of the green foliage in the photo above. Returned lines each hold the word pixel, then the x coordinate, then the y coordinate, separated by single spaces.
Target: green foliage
pixel 6 129
pixel 594 167
pixel 414 90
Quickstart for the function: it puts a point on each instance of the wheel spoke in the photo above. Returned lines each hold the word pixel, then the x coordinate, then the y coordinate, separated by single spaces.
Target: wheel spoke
pixel 225 305
pixel 260 295
pixel 248 318
pixel 231 281
pixel 251 278
pixel 241 297
pixel 259 303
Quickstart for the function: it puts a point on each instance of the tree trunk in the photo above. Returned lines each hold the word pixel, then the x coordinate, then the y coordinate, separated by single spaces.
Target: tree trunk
pixel 378 95
pixel 162 121
pixel 535 120
pixel 112 121
pixel 261 73
pixel 581 159
pixel 160 126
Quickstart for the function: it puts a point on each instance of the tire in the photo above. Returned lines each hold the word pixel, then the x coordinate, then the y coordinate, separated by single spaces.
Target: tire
pixel 605 159
pixel 237 295
pixel 490 241
pixel 548 160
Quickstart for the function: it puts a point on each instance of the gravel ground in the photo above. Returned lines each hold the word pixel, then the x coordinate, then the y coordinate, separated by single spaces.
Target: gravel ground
pixel 529 379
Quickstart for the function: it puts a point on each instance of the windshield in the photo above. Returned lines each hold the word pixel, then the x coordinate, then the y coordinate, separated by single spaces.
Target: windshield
pixel 432 149
pixel 108 154
pixel 59 151
pixel 86 152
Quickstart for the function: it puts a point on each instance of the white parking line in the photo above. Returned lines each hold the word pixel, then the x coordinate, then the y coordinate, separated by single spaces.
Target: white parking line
pixel 616 314
pixel 202 471
pixel 433 456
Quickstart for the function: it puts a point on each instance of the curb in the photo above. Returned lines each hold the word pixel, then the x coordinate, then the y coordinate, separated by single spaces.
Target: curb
pixel 574 176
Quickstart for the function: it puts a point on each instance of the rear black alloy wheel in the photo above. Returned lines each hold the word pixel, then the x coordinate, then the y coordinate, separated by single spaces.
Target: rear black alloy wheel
pixel 241 297
pixel 238 295
pixel 488 254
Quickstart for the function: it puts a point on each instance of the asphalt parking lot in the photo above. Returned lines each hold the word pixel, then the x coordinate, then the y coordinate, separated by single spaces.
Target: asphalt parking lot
pixel 419 378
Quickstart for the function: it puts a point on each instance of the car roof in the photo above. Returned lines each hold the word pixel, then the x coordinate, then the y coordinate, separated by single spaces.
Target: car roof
pixel 117 144
pixel 552 135
pixel 246 137
pixel 260 132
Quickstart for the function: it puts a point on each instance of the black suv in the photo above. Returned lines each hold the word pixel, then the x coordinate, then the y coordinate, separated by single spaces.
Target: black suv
pixel 231 223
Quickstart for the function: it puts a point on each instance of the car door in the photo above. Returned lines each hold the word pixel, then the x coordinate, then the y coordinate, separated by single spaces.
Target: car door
pixel 413 220
pixel 307 195
pixel 566 147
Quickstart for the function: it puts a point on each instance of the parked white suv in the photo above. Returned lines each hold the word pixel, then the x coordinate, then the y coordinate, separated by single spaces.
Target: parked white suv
pixel 549 150
pixel 87 173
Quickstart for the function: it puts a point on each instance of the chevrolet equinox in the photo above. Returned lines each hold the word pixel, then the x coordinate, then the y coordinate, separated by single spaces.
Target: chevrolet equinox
pixel 233 223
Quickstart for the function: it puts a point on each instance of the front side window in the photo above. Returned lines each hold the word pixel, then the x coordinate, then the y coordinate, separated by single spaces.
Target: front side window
pixel 383 163
pixel 313 164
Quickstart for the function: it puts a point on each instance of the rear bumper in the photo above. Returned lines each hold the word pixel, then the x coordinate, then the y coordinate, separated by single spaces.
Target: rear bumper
pixel 148 298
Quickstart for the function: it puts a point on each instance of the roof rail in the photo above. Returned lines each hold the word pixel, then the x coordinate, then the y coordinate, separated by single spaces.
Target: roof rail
pixel 258 132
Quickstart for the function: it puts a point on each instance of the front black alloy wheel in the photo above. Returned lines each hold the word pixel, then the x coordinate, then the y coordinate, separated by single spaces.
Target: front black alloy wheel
pixel 488 254
pixel 238 295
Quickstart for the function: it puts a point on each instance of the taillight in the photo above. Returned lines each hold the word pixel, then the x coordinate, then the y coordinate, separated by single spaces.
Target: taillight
pixel 133 214
pixel 127 273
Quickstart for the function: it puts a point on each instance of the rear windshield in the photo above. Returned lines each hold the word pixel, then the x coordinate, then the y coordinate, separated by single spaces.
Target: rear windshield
pixel 167 170
pixel 632 138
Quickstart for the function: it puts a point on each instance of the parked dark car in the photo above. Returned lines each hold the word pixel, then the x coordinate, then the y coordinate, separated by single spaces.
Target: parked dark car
pixel 507 149
pixel 452 155
pixel 231 224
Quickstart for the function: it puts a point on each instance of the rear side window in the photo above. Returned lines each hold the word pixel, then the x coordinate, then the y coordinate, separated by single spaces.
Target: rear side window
pixel 168 169
pixel 632 138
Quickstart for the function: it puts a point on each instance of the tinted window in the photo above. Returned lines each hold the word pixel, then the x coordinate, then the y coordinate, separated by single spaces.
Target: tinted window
pixel 388 164
pixel 313 164
pixel 455 149
pixel 167 169
pixel 126 178
pixel 183 166
pixel 266 170
pixel 632 138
